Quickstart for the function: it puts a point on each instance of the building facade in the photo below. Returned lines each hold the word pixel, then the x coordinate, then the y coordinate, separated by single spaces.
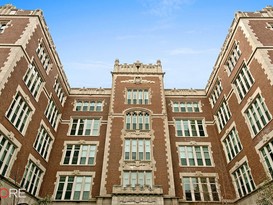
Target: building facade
pixel 136 142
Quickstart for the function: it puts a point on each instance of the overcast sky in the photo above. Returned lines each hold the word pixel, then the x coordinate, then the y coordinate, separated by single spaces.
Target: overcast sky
pixel 186 35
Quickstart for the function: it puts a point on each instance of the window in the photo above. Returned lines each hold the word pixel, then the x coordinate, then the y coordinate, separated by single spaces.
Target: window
pixel 137 121
pixel 267 155
pixel 243 180
pixel 80 154
pixel 33 80
pixel 89 106
pixel 137 96
pixel 200 189
pixel 233 57
pixel 216 92
pixel 59 91
pixel 52 113
pixel 243 82
pixel 43 56
pixel 142 178
pixel 85 127
pixel 74 188
pixel 189 128
pixel 194 155
pixel 223 115
pixel 32 178
pixel 43 143
pixel 186 107
pixel 257 115
pixel 19 112
pixel 137 149
pixel 6 152
pixel 3 26
pixel 232 144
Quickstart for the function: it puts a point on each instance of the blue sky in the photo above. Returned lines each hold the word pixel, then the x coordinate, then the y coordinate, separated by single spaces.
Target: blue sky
pixel 186 35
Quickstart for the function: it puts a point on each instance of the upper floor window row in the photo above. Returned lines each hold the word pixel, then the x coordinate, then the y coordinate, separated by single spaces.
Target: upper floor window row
pixel 186 107
pixel 137 121
pixel 233 57
pixel 189 128
pixel 59 91
pixel 216 92
pixel 137 149
pixel 33 80
pixel 85 127
pixel 257 115
pixel 243 82
pixel 43 56
pixel 52 113
pixel 89 106
pixel 138 96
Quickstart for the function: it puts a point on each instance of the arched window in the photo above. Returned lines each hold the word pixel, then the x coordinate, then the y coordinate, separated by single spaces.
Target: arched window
pixel 137 121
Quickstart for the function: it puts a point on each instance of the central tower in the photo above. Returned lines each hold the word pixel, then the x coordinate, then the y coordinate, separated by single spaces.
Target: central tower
pixel 137 164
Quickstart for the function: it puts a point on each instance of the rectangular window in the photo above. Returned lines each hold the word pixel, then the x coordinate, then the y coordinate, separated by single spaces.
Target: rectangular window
pixel 243 82
pixel 43 143
pixel 137 149
pixel 186 107
pixel 216 92
pixel 232 144
pixel 43 56
pixel 200 189
pixel 6 153
pixel 33 80
pixel 243 180
pixel 137 121
pixel 52 113
pixel 93 106
pixel 137 96
pixel 189 128
pixel 267 155
pixel 195 155
pixel 74 188
pixel 3 26
pixel 223 115
pixel 257 115
pixel 19 112
pixel 59 91
pixel 233 57
pixel 85 127
pixel 142 178
pixel 80 154
pixel 32 178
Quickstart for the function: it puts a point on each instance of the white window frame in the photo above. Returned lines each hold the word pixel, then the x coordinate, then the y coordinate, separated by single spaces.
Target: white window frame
pixel 84 126
pixel 52 114
pixel 74 174
pixel 188 120
pixel 81 151
pixel 3 26
pixel 134 119
pixel 216 92
pixel 137 146
pixel 130 178
pixel 81 104
pixel 190 106
pixel 233 57
pixel 59 91
pixel 223 115
pixel 26 100
pixel 136 96
pixel 43 55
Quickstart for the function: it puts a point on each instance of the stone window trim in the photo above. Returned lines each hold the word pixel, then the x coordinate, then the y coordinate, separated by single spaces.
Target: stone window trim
pixel 79 142
pixel 242 66
pixel 72 173
pixel 95 101
pixel 143 97
pixel 250 100
pixel 48 130
pixel 194 143
pixel 37 162
pixel 191 118
pixel 200 174
pixel 267 138
pixel 233 56
pixel 222 102
pixel 236 166
pixel 192 102
pixel 84 117
pixel 42 86
pixel 11 137
pixel 41 43
pixel 27 100
pixel 225 135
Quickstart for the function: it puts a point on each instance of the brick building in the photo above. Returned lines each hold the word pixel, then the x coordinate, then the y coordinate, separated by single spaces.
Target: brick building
pixel 137 142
